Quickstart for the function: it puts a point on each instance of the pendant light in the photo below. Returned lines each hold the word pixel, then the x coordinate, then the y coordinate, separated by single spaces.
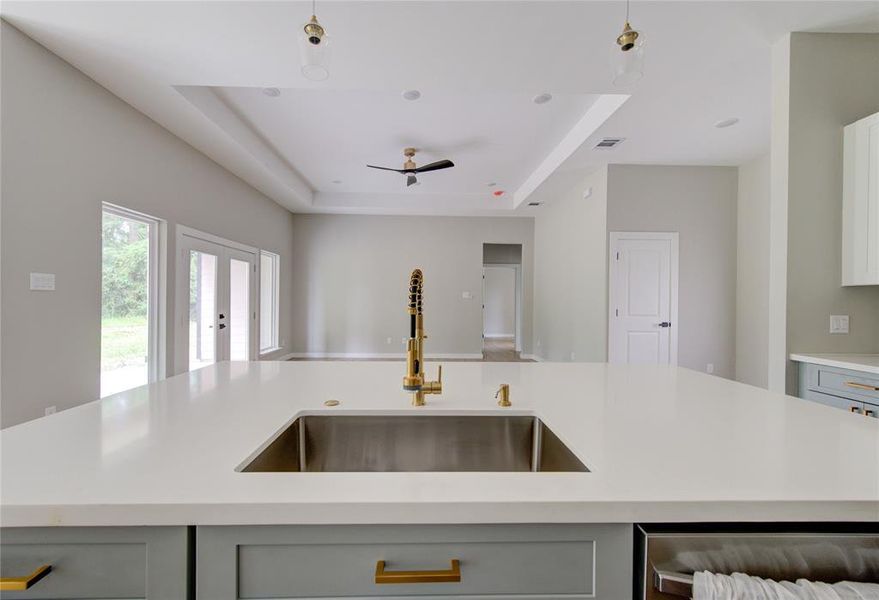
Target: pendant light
pixel 314 49
pixel 629 58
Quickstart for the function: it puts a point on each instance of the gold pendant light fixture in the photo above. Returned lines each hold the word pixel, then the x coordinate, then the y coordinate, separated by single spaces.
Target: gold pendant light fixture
pixel 314 49
pixel 629 59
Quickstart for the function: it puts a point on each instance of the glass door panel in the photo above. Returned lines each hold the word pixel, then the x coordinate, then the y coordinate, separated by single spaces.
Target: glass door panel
pixel 239 309
pixel 203 313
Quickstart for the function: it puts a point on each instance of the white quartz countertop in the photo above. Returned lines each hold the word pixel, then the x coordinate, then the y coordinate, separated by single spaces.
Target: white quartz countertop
pixel 663 444
pixel 868 363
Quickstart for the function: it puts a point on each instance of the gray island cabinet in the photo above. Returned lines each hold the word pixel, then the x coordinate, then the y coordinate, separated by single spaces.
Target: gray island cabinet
pixel 493 561
pixel 150 563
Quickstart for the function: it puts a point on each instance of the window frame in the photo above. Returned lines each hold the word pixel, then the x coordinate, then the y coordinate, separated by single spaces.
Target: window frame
pixel 156 283
pixel 276 301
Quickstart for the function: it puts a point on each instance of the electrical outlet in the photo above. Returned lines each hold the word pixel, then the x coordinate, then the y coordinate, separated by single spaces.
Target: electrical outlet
pixel 389 341
pixel 573 356
pixel 838 323
pixel 709 368
pixel 51 410
pixel 467 295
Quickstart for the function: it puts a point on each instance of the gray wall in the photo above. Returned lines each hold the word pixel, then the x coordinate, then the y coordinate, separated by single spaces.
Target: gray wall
pixel 68 145
pixel 834 80
pixel 700 204
pixel 752 278
pixel 570 285
pixel 502 254
pixel 351 274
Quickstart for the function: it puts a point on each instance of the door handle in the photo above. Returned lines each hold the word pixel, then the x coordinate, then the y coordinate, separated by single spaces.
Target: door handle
pixel 222 316
pixel 664 324
pixel 222 326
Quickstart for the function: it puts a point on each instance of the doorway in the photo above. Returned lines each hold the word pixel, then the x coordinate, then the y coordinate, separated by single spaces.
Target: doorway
pixel 502 302
pixel 643 298
pixel 216 299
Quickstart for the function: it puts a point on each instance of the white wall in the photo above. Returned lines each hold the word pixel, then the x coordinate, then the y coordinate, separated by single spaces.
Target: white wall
pixel 351 274
pixel 752 274
pixel 833 81
pixel 67 145
pixel 570 281
pixel 700 204
pixel 499 298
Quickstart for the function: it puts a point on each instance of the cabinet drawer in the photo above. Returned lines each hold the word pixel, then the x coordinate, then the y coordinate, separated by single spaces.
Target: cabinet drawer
pixel 495 561
pixel 97 562
pixel 850 384
pixel 848 404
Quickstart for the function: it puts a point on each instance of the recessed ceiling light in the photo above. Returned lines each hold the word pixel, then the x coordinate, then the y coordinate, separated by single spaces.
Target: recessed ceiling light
pixel 337 181
pixel 541 98
pixel 411 94
pixel 491 183
pixel 271 92
pixel 726 122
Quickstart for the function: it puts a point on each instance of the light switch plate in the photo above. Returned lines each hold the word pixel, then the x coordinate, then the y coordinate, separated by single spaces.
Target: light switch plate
pixel 44 282
pixel 838 323
pixel 466 295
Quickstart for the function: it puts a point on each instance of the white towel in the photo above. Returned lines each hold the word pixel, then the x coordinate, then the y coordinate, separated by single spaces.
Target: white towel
pixel 738 586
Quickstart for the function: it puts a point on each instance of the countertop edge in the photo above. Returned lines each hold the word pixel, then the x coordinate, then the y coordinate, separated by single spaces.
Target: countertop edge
pixel 439 513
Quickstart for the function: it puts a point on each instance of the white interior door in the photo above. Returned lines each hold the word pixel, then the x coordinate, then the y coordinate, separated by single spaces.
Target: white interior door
pixel 642 325
pixel 217 291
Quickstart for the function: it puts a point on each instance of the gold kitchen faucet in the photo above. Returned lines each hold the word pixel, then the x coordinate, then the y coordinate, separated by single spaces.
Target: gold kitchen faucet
pixel 414 380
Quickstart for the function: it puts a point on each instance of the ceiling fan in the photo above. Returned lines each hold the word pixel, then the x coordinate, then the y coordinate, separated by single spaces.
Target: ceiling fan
pixel 410 170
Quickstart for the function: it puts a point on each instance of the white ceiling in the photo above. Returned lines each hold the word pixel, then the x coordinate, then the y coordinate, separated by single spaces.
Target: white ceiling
pixel 197 68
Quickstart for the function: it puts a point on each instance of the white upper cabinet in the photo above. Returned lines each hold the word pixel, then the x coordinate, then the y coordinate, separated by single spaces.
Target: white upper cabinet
pixel 860 203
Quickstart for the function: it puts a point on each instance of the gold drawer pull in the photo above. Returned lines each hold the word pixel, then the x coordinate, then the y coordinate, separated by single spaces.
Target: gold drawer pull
pixel 452 575
pixel 14 584
pixel 862 386
pixel 855 409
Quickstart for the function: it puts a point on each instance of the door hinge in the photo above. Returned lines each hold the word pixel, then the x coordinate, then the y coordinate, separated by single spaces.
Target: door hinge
pixel 617 312
pixel 618 255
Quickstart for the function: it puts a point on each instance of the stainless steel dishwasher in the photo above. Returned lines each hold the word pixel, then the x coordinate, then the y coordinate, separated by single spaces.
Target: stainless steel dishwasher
pixel 666 556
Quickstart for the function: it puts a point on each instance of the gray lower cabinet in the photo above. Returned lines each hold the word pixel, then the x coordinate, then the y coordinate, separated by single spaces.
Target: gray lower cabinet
pixel 854 391
pixel 494 561
pixel 150 563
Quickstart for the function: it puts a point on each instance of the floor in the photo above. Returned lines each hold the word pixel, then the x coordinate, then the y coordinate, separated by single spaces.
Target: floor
pixel 501 350
pixel 493 350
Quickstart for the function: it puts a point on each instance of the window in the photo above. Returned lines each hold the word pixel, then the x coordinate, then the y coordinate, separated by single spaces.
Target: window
pixel 269 273
pixel 129 300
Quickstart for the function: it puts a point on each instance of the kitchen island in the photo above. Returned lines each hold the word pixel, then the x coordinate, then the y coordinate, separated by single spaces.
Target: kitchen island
pixel 661 444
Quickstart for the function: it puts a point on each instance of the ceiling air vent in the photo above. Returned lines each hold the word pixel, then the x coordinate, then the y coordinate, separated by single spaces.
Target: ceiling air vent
pixel 606 143
pixel 534 204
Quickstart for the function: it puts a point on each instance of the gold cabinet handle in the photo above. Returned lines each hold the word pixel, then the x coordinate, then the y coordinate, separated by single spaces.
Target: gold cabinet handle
pixel 862 386
pixel 451 575
pixel 17 584
pixel 868 413
pixel 854 409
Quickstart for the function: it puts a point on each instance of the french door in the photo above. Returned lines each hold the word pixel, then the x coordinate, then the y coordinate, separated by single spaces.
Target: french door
pixel 218 300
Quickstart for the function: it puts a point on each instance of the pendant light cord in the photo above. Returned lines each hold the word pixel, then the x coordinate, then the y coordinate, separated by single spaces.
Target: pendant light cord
pixel 627 10
pixel 314 13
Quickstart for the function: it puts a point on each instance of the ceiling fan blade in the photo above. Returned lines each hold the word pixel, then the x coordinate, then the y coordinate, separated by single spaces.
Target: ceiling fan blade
pixel 410 180
pixel 435 166
pixel 386 169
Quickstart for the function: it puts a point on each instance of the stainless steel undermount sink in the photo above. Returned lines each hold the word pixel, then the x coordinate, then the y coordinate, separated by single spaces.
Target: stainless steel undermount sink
pixel 412 443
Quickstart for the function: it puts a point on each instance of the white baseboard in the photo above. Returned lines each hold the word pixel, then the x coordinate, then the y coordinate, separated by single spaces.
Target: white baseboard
pixel 534 357
pixel 378 355
pixel 499 336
